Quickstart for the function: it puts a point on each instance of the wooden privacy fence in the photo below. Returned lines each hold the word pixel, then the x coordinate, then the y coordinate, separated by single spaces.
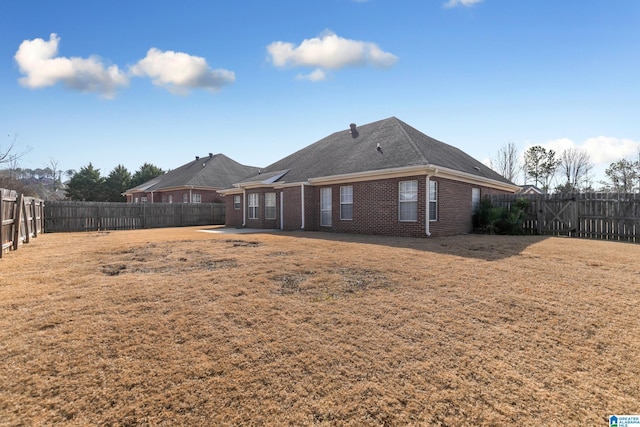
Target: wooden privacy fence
pixel 93 216
pixel 607 216
pixel 21 218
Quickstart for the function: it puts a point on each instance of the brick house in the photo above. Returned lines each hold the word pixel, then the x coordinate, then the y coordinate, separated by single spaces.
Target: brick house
pixel 195 182
pixel 381 178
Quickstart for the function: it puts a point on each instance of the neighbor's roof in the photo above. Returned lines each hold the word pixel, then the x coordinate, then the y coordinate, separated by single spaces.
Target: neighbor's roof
pixel 213 171
pixel 400 146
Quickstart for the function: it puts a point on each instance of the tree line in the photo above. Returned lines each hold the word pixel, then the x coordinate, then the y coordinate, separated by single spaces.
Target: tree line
pixel 89 185
pixel 571 171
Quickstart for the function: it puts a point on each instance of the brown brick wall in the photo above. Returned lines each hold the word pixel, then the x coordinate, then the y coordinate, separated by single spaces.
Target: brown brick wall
pixel 233 217
pixel 375 208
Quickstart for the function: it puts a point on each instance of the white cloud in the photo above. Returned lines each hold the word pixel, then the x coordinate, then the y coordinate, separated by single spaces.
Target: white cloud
pixel 180 72
pixel 314 76
pixel 602 150
pixel 38 62
pixel 467 3
pixel 329 51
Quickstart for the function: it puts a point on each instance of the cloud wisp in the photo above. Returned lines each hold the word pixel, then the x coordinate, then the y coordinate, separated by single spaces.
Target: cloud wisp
pixel 465 3
pixel 38 61
pixel 179 72
pixel 328 52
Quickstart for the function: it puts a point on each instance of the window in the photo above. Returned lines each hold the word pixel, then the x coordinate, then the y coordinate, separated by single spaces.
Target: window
pixel 143 199
pixel 270 206
pixel 170 198
pixel 253 206
pixel 164 198
pixel 433 200
pixel 408 201
pixel 185 198
pixel 475 199
pixel 197 198
pixel 325 207
pixel 237 202
pixel 346 202
pixel 137 200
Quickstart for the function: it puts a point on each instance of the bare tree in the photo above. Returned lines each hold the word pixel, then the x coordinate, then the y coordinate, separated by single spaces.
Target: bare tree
pixel 53 164
pixel 506 161
pixel 9 153
pixel 576 167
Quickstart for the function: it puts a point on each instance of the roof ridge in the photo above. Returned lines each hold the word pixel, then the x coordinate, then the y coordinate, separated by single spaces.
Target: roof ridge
pixel 400 124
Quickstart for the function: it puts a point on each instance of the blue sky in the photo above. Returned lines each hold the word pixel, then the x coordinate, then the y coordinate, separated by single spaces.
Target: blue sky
pixel 129 82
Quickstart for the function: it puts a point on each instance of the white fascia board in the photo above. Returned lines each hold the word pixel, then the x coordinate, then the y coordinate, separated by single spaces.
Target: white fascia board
pixel 474 179
pixel 229 191
pixel 372 175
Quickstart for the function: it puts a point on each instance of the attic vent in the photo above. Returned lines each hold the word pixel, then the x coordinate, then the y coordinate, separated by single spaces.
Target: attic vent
pixel 354 131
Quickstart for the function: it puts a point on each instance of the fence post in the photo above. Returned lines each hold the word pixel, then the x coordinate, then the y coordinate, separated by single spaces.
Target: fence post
pixel 17 220
pixel 1 222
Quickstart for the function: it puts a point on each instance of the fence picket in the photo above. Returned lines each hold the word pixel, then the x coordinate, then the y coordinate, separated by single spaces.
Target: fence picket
pixel 62 216
pixel 606 216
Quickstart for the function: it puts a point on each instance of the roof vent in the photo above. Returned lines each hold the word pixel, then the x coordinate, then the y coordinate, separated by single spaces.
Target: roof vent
pixel 211 155
pixel 197 158
pixel 477 168
pixel 354 131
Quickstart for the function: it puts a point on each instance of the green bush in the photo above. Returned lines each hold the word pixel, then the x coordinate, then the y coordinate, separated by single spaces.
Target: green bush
pixel 498 220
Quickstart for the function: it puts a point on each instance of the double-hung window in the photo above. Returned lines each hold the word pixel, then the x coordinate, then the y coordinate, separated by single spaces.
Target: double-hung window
pixel 408 201
pixel 270 206
pixel 237 202
pixel 475 199
pixel 346 202
pixel 433 200
pixel 253 206
pixel 325 207
pixel 197 198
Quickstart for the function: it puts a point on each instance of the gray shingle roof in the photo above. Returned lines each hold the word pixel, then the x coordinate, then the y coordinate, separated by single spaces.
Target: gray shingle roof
pixel 215 171
pixel 400 145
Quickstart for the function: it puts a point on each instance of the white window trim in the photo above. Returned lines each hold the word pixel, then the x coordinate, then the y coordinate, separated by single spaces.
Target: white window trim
pixel 400 202
pixel 324 191
pixel 433 218
pixel 253 205
pixel 268 207
pixel 346 203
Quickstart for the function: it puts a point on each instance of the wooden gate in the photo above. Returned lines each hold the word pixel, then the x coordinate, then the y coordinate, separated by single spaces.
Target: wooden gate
pixel 608 216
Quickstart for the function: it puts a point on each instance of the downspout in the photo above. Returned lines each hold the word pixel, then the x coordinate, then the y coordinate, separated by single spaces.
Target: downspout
pixel 152 197
pixel 282 210
pixel 427 219
pixel 190 194
pixel 244 207
pixel 302 204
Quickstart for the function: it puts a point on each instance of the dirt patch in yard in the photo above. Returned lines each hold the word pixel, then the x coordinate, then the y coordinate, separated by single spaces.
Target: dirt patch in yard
pixel 180 327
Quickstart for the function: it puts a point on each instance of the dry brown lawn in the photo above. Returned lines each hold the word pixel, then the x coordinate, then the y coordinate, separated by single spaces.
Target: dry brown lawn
pixel 181 327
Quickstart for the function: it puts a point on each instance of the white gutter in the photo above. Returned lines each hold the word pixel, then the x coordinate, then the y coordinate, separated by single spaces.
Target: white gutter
pixel 427 219
pixel 302 203
pixel 244 208
pixel 282 210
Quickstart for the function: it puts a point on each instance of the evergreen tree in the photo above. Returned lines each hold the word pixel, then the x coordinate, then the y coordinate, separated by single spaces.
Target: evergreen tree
pixel 118 181
pixel 146 172
pixel 86 185
pixel 540 165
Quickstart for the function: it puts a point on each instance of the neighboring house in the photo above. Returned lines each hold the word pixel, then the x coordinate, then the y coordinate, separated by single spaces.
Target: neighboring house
pixel 529 189
pixel 381 178
pixel 194 182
